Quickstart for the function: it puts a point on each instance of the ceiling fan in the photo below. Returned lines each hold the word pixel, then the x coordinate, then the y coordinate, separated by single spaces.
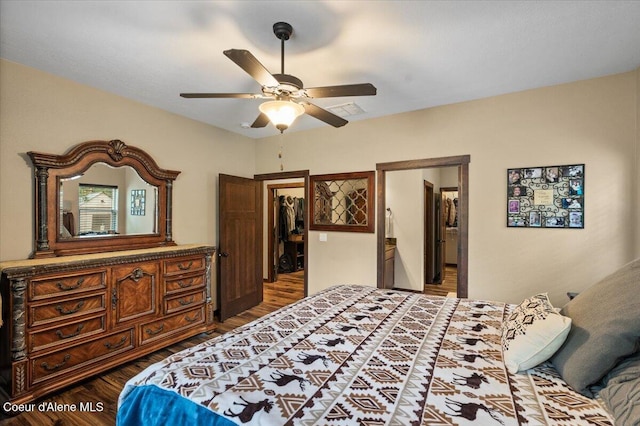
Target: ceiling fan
pixel 289 96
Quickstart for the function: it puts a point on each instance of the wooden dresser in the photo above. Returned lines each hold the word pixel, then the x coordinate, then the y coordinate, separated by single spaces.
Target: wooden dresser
pixel 68 318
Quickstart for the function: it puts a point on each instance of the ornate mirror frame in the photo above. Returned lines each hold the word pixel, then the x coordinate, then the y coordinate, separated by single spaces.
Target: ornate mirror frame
pixel 51 168
pixel 343 202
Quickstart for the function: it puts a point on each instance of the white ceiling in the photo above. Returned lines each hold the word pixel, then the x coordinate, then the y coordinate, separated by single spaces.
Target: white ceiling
pixel 418 54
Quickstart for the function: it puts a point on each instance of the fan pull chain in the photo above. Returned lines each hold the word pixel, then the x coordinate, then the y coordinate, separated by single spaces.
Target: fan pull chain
pixel 280 152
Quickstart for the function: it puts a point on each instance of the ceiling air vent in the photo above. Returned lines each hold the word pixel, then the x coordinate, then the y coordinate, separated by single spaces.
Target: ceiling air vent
pixel 346 110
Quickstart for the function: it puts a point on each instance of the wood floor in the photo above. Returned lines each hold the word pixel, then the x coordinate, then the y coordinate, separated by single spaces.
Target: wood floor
pixel 449 284
pixel 105 389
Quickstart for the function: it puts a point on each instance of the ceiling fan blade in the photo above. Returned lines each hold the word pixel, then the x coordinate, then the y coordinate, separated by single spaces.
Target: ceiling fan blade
pixel 245 60
pixel 364 89
pixel 220 95
pixel 323 115
pixel 261 121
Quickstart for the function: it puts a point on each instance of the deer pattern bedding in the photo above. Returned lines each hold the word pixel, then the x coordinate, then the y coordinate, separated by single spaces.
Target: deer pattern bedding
pixel 356 355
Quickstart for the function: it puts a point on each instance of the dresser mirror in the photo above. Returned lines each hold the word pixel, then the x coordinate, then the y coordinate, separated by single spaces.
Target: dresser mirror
pixel 107 200
pixel 100 196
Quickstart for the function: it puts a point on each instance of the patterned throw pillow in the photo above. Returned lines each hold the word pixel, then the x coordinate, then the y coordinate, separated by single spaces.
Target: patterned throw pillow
pixel 532 333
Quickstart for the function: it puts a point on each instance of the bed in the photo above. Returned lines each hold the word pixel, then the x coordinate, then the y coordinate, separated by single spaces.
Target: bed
pixel 357 355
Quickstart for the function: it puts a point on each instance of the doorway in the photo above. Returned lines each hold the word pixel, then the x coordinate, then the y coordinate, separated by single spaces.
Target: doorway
pixel 441 220
pixel 461 164
pixel 285 232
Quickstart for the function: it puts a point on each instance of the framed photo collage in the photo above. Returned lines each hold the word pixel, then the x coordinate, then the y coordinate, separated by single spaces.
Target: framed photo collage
pixel 546 197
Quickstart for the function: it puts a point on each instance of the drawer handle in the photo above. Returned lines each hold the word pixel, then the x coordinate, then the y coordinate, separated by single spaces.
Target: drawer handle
pixel 55 367
pixel 152 332
pixel 62 286
pixel 74 334
pixel 183 284
pixel 110 345
pixel 186 318
pixel 64 311
pixel 185 268
pixel 185 302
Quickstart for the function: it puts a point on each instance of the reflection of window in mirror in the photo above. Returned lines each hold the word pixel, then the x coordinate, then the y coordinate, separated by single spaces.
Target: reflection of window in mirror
pixel 98 209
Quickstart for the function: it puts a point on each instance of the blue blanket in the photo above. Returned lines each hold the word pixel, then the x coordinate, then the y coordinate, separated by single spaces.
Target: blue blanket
pixel 152 406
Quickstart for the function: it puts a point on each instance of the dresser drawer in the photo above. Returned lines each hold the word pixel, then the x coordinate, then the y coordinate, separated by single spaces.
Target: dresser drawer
pixel 182 284
pixel 184 301
pixel 66 333
pixel 49 366
pixel 66 284
pixel 66 309
pixel 159 329
pixel 185 265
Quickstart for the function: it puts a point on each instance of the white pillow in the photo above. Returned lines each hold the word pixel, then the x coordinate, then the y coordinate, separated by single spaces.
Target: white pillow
pixel 532 333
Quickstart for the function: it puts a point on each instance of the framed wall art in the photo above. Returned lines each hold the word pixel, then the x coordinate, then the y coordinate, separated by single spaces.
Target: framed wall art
pixel 343 202
pixel 546 197
pixel 138 202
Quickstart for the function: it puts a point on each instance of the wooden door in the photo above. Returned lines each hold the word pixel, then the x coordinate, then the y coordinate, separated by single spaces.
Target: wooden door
pixel 442 237
pixel 240 246
pixel 429 241
pixel 274 242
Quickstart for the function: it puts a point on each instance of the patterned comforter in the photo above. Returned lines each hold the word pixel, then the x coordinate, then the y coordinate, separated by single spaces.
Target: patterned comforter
pixel 355 355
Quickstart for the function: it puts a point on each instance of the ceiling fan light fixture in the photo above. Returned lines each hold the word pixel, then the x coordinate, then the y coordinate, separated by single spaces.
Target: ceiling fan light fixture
pixel 283 88
pixel 281 113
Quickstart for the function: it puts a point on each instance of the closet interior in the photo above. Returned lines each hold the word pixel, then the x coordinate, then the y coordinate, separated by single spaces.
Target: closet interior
pixel 450 213
pixel 289 206
pixel 290 233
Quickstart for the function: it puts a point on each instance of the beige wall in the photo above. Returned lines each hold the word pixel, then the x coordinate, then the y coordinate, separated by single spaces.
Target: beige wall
pixel 591 122
pixel 41 112
pixel 405 194
pixel 637 180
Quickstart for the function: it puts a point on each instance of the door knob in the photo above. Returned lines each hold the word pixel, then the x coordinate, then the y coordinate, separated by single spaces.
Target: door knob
pixel 223 254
